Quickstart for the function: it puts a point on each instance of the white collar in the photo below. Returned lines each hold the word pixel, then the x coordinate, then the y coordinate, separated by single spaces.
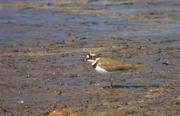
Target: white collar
pixel 97 59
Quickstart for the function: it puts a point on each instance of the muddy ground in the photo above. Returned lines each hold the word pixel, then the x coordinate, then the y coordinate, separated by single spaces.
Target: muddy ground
pixel 43 45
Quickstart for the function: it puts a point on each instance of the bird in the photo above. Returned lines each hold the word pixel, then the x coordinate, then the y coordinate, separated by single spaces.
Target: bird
pixel 108 66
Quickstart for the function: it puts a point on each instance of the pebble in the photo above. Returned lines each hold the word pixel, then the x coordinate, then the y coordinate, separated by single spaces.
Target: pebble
pixel 20 102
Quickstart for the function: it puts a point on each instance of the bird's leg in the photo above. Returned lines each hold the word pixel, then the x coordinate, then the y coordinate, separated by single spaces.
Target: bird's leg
pixel 111 81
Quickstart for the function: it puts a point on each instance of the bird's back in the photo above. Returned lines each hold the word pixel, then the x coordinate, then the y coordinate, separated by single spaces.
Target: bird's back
pixel 112 65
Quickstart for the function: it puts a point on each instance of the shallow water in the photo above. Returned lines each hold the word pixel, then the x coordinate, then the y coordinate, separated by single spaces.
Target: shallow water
pixel 126 19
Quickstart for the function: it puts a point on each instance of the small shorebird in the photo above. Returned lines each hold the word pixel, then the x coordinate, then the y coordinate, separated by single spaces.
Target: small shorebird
pixel 108 66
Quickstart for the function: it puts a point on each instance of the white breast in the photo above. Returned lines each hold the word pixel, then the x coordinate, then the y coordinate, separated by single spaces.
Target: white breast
pixel 101 70
pixel 91 61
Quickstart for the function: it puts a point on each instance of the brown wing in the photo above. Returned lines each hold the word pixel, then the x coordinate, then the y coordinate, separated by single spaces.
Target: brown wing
pixel 114 65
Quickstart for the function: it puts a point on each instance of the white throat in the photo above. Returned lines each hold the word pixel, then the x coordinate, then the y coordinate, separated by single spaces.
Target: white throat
pixel 93 61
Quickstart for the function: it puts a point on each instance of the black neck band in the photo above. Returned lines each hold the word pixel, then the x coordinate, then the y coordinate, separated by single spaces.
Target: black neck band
pixel 94 65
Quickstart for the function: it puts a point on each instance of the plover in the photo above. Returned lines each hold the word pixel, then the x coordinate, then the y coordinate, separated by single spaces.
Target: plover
pixel 108 66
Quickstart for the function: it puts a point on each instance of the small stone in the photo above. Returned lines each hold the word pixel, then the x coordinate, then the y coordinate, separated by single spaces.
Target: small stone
pixel 54 73
pixel 97 84
pixel 177 103
pixel 63 112
pixel 27 76
pixel 166 63
pixel 20 101
pixel 49 4
pixel 58 92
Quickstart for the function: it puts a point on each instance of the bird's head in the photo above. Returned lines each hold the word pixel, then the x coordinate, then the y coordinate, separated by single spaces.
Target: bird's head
pixel 91 57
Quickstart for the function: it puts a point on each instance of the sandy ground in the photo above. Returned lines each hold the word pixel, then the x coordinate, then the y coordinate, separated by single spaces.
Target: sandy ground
pixel 43 46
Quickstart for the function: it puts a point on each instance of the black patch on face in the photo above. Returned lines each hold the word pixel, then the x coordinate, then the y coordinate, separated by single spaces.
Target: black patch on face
pixel 90 57
pixel 94 66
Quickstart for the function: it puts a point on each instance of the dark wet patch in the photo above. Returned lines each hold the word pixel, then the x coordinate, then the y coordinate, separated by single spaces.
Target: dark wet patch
pixel 130 86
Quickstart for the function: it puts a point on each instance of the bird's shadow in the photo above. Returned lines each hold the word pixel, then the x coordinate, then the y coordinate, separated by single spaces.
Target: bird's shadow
pixel 130 86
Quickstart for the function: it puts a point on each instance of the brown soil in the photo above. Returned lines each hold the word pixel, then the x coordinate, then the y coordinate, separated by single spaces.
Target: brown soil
pixel 43 46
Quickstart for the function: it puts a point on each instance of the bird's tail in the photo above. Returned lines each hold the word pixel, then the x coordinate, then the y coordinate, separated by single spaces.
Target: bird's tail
pixel 139 68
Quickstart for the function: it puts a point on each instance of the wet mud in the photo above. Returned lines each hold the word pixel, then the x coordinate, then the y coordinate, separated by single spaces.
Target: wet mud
pixel 43 45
